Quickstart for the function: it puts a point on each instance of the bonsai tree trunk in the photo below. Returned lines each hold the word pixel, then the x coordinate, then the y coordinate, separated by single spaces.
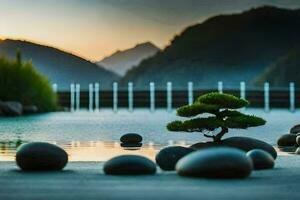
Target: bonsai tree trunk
pixel 219 136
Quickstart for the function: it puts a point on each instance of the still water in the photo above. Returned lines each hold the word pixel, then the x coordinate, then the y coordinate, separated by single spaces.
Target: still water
pixel 95 136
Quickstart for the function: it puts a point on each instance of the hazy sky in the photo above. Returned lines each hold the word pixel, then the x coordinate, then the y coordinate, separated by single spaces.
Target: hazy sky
pixel 97 28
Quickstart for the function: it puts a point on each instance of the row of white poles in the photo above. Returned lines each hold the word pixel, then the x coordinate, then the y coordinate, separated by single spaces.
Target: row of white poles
pixel 94 95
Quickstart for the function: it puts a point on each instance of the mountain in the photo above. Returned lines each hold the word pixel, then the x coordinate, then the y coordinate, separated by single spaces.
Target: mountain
pixel 283 71
pixel 229 48
pixel 121 61
pixel 60 67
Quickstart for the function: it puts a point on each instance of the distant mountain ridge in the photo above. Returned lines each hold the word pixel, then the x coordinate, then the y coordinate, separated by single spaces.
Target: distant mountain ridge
pixel 60 67
pixel 228 48
pixel 283 71
pixel 121 61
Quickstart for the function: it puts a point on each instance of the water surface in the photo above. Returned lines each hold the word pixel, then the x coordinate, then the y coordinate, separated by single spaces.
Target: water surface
pixel 95 136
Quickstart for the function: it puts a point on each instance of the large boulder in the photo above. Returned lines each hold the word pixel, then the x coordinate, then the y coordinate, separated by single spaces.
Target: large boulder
pixel 261 159
pixel 129 165
pixel 41 156
pixel 287 140
pixel 295 129
pixel 219 162
pixel 11 108
pixel 168 157
pixel 131 138
pixel 247 144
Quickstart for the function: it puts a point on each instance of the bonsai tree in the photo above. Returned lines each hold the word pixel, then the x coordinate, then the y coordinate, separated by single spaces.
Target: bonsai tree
pixel 222 115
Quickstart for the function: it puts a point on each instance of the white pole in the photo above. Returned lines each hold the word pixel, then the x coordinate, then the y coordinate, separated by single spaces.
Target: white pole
pixel 115 96
pixel 292 97
pixel 130 96
pixel 267 96
pixel 243 90
pixel 220 87
pixel 190 93
pixel 97 99
pixel 72 97
pixel 77 97
pixel 152 97
pixel 169 96
pixel 91 97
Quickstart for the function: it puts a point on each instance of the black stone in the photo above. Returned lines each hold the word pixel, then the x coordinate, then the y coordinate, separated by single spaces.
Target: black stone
pixel 37 156
pixel 167 158
pixel 131 138
pixel 247 144
pixel 298 140
pixel 295 129
pixel 129 165
pixel 219 162
pixel 287 140
pixel 261 159
pixel 129 145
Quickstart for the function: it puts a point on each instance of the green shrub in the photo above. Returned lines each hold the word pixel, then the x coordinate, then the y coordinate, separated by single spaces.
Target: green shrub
pixel 220 106
pixel 21 82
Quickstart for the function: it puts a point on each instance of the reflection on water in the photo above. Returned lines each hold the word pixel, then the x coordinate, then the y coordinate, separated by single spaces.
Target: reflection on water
pixel 87 151
pixel 100 150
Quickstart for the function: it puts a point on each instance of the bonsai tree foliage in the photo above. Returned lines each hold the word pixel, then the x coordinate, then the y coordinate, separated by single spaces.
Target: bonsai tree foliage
pixel 222 115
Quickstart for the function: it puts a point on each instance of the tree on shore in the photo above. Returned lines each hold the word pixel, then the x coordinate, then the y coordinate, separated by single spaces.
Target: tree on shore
pixel 222 115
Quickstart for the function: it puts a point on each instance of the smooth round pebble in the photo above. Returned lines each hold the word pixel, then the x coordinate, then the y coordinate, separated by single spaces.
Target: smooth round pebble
pixel 131 138
pixel 287 140
pixel 129 165
pixel 261 159
pixel 295 129
pixel 222 162
pixel 129 145
pixel 41 156
pixel 168 157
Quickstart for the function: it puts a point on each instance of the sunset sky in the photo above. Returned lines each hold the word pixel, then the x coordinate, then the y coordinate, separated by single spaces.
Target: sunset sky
pixel 96 28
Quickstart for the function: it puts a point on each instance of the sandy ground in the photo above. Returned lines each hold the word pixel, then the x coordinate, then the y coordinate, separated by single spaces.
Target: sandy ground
pixel 85 180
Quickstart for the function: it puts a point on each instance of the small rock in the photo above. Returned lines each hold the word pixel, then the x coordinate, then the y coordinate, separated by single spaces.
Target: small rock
pixel 129 165
pixel 261 159
pixel 30 109
pixel 131 145
pixel 295 129
pixel 37 156
pixel 11 108
pixel 287 140
pixel 131 138
pixel 219 162
pixel 169 156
